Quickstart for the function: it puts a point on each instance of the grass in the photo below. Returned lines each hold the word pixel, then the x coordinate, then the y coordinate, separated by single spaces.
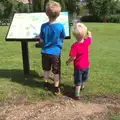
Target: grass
pixel 115 118
pixel 104 72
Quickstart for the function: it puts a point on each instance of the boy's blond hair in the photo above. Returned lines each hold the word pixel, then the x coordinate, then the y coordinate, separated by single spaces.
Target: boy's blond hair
pixel 53 9
pixel 79 29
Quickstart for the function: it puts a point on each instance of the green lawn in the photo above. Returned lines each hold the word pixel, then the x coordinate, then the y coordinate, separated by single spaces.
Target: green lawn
pixel 104 75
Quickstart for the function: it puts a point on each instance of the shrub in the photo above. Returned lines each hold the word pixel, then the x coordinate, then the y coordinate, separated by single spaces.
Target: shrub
pixel 113 18
pixel 91 19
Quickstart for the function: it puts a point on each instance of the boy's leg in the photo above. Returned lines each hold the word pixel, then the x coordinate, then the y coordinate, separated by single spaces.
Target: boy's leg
pixel 56 72
pixel 46 65
pixel 46 75
pixel 56 83
pixel 56 80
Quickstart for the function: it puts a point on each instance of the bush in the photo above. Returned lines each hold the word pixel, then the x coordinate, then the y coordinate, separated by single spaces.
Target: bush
pixel 113 18
pixel 91 19
pixel 5 8
pixel 110 18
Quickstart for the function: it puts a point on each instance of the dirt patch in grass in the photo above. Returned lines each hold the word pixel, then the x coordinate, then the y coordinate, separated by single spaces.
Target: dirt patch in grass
pixel 61 108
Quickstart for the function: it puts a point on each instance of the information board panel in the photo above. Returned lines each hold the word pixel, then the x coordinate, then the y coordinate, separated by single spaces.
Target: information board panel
pixel 25 26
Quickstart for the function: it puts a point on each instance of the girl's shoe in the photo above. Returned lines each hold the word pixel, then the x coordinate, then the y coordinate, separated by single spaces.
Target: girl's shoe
pixel 77 97
pixel 73 89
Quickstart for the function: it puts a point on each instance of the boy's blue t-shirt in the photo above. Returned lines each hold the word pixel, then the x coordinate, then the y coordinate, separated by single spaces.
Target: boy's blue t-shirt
pixel 52 35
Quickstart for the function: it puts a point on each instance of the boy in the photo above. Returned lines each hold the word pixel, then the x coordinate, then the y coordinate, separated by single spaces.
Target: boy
pixel 79 54
pixel 51 37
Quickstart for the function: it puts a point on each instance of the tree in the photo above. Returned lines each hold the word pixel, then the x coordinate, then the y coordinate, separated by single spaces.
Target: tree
pixel 71 5
pixel 99 7
pixel 67 5
pixel 45 2
pixel 118 8
pixel 115 7
pixel 63 5
pixel 36 5
pixel 5 8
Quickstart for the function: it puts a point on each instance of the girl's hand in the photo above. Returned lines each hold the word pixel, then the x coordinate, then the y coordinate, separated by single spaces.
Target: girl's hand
pixel 89 34
pixel 67 62
pixel 71 59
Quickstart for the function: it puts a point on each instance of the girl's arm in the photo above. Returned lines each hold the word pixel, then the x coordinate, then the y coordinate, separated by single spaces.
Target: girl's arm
pixel 71 59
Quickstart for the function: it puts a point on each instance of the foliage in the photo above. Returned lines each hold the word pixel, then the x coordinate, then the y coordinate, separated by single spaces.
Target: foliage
pixel 39 5
pixel 118 7
pixel 5 8
pixel 20 7
pixel 101 7
pixel 110 18
pixel 91 18
pixel 113 18
pixel 78 9
pixel 82 10
pixel 69 5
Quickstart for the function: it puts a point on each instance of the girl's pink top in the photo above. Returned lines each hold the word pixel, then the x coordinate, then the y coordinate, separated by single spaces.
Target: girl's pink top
pixel 80 52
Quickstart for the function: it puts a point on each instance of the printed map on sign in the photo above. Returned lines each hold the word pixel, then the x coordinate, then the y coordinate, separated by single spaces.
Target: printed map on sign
pixel 27 25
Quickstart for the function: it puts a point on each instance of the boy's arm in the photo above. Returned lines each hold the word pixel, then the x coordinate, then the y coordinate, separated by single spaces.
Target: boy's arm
pixel 38 36
pixel 40 41
pixel 71 59
pixel 63 35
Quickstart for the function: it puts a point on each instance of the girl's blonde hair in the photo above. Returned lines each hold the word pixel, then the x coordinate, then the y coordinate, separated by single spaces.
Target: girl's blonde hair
pixel 79 29
pixel 53 9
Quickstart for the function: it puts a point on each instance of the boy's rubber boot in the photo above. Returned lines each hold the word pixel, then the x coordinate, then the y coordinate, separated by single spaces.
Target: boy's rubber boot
pixel 56 90
pixel 46 85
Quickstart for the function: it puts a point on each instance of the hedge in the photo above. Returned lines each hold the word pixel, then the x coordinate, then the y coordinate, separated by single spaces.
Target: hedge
pixel 110 18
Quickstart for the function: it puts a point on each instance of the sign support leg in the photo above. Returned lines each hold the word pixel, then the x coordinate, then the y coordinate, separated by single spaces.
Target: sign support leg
pixel 25 57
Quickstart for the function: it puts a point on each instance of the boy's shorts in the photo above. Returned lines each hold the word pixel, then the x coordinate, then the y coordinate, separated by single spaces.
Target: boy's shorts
pixel 80 76
pixel 51 61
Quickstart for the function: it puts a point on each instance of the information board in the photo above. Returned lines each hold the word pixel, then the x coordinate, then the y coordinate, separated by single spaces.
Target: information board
pixel 27 25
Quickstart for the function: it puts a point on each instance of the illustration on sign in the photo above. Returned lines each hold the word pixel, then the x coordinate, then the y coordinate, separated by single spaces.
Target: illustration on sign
pixel 27 25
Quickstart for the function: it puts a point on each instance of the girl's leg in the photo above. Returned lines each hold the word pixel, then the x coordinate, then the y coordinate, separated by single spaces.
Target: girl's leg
pixel 77 91
pixel 82 86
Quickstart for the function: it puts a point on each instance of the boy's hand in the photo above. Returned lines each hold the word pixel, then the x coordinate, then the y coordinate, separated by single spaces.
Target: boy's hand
pixel 40 41
pixel 37 36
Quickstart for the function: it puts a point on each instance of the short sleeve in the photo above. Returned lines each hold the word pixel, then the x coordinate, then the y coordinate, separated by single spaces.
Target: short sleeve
pixel 62 34
pixel 41 33
pixel 88 40
pixel 73 51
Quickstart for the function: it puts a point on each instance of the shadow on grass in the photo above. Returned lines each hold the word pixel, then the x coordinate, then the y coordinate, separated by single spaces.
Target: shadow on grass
pixel 33 80
pixel 67 90
pixel 15 75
